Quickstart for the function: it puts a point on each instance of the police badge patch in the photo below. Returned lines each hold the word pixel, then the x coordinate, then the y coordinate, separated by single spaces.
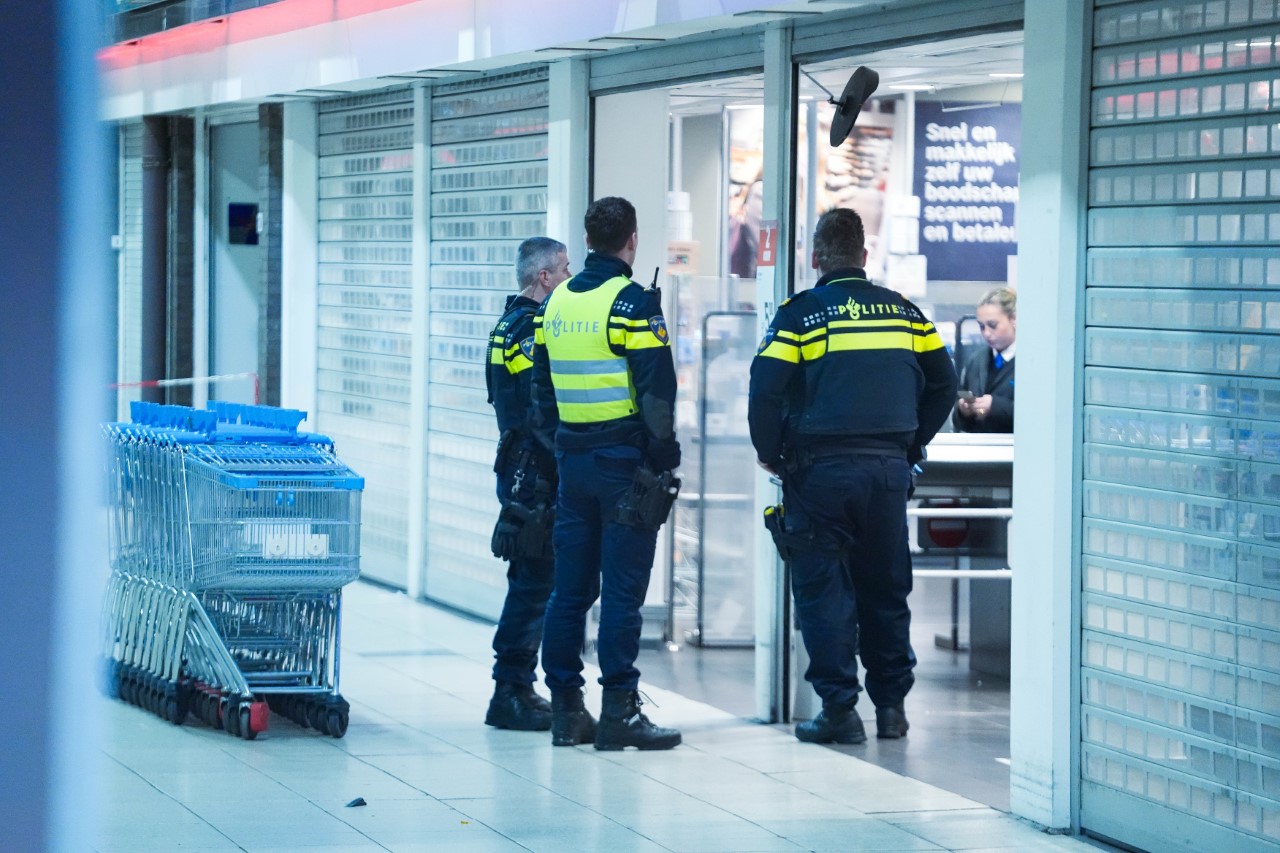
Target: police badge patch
pixel 765 341
pixel 658 325
pixel 526 347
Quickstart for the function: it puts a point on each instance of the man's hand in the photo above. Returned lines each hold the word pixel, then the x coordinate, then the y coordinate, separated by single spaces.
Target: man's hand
pixel 767 467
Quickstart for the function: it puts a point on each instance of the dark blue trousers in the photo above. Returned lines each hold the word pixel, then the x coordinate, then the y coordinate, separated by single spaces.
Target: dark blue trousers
pixel 851 592
pixel 596 558
pixel 515 643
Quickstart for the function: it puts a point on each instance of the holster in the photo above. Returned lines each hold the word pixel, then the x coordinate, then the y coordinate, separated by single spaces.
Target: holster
pixel 648 502
pixel 790 543
pixel 524 528
pixel 508 449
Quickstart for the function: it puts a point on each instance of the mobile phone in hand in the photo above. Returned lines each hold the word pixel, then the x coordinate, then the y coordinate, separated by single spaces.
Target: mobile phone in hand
pixel 967 396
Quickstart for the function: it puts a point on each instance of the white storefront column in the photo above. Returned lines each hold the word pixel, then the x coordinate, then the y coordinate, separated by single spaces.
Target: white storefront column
pixel 419 395
pixel 569 156
pixel 1043 535
pixel 298 260
pixel 773 623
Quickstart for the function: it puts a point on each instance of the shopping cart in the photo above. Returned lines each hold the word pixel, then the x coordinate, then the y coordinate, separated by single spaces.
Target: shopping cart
pixel 231 537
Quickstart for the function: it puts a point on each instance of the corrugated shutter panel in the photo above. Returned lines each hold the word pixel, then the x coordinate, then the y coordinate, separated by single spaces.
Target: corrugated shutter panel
pixel 1180 679
pixel 364 339
pixel 129 293
pixel 488 193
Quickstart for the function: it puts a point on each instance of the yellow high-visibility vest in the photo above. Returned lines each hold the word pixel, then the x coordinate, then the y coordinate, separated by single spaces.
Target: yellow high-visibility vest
pixel 592 384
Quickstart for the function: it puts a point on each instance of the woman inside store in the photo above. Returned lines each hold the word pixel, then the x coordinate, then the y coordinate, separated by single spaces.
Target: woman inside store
pixel 985 403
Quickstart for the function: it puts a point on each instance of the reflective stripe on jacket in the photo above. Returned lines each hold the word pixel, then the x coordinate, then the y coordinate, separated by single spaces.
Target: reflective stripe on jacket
pixel 508 373
pixel 849 363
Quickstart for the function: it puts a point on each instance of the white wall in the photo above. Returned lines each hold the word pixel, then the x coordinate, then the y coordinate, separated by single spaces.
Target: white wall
pixel 631 161
pixel 234 272
pixel 702 153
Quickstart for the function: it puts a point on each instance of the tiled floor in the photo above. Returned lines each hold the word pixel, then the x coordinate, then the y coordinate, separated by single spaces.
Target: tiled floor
pixel 434 778
pixel 959 718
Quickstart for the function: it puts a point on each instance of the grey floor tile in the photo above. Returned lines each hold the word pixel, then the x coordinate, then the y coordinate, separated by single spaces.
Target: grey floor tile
pixel 337 847
pixel 479 840
pixel 614 839
pixel 724 835
pixel 846 834
pixel 969 830
pixel 434 778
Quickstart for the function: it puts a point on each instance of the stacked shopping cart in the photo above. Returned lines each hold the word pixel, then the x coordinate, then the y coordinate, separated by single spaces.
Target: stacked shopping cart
pixel 232 535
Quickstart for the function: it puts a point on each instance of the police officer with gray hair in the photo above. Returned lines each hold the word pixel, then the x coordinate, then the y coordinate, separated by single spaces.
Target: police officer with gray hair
pixel 850 383
pixel 526 474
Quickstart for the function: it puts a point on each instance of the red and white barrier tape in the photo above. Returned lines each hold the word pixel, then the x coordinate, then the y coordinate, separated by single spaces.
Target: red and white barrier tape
pixel 192 380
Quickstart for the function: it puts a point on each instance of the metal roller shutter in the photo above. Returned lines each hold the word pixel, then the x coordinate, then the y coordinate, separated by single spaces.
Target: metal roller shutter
pixel 488 193
pixel 1180 612
pixel 364 339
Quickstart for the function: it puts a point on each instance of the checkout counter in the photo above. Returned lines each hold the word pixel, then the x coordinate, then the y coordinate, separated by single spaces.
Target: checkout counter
pixel 962 508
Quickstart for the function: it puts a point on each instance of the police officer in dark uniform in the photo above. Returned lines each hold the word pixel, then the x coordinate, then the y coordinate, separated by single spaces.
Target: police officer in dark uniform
pixel 604 390
pixel 526 481
pixel 850 383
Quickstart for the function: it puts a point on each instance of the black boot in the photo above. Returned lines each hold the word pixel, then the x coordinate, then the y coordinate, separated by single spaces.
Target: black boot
pixel 891 721
pixel 834 724
pixel 571 723
pixel 519 708
pixel 622 724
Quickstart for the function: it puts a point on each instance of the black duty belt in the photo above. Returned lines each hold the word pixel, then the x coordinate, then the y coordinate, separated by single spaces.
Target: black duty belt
pixel 828 452
pixel 803 457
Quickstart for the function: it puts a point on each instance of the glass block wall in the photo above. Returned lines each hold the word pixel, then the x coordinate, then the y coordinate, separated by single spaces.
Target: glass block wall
pixel 1180 681
pixel 488 192
pixel 364 335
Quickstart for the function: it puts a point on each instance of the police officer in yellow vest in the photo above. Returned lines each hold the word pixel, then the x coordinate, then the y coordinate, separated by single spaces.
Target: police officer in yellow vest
pixel 604 389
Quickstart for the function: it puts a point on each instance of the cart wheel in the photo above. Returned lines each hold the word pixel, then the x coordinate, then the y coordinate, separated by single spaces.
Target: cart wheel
pixel 315 715
pixel 229 706
pixel 185 697
pixel 174 712
pixel 246 731
pixel 336 723
pixel 203 711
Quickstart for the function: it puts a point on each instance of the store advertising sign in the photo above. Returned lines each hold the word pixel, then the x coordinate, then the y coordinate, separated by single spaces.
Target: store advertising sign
pixel 966 177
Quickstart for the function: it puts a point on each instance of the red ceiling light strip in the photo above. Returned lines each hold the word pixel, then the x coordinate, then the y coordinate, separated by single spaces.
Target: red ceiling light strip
pixel 277 18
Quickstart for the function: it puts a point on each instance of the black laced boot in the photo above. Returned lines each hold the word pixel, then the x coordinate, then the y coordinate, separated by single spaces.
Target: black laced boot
pixel 891 721
pixel 834 724
pixel 518 707
pixel 571 723
pixel 622 724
